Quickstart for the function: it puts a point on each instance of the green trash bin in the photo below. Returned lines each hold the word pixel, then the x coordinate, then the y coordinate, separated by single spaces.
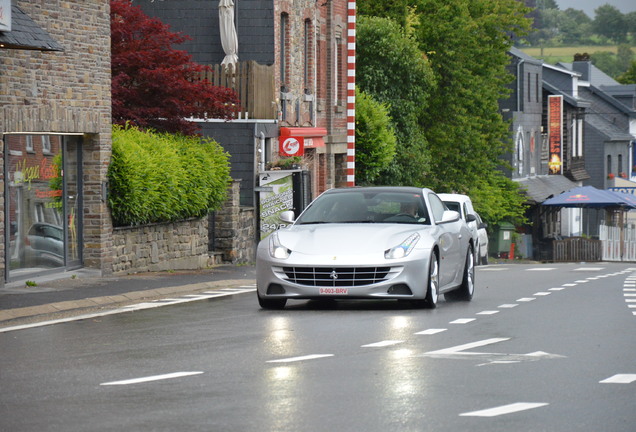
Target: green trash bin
pixel 503 240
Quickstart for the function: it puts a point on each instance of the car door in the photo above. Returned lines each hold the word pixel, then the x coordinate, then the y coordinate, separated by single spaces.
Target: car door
pixel 449 237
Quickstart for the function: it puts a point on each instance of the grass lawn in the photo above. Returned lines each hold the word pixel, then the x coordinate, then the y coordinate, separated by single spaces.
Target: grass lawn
pixel 553 55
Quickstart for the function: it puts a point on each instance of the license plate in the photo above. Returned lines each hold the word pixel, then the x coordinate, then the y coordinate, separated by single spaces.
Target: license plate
pixel 333 291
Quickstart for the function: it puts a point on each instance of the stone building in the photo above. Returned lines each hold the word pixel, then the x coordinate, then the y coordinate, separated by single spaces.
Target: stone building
pixel 55 136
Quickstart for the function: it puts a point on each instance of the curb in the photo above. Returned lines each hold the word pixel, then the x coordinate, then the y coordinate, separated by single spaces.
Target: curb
pixel 31 314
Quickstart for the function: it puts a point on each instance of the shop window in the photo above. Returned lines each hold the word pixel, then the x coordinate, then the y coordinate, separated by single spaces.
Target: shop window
pixel 42 203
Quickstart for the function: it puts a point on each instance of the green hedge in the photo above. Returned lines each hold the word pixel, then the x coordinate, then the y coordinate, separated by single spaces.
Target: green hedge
pixel 157 177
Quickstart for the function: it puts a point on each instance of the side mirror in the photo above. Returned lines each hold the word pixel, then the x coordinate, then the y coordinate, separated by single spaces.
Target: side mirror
pixel 471 217
pixel 287 216
pixel 450 216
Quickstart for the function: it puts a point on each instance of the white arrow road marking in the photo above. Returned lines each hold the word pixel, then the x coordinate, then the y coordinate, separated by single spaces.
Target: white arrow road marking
pixel 505 409
pixel 460 352
pixel 620 379
pixel 459 348
pixel 382 344
pixel 151 378
pixel 301 358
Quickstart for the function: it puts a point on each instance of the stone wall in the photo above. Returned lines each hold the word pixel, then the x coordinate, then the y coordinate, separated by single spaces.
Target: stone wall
pixel 184 245
pixel 159 247
pixel 235 229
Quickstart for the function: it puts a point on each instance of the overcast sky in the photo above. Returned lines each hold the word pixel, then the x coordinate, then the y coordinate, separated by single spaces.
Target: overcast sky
pixel 588 6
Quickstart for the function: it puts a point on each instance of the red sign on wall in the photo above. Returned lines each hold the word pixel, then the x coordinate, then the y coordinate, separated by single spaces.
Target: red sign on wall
pixel 291 146
pixel 555 134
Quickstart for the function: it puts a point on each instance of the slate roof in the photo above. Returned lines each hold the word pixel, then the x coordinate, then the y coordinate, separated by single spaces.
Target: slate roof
pixel 542 187
pixel 26 34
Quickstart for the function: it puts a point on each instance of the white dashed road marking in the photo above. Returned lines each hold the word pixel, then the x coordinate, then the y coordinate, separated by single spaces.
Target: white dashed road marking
pixel 620 379
pixel 430 331
pixel 505 409
pixel 301 358
pixel 382 344
pixel 151 378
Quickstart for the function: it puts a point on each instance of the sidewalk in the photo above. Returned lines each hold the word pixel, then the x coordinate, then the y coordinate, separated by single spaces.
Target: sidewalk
pixel 83 290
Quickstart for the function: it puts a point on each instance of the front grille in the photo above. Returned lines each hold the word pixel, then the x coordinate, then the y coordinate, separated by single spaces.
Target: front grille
pixel 336 276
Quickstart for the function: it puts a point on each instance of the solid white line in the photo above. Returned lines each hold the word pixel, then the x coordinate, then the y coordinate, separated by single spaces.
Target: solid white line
pixel 382 344
pixel 620 379
pixel 462 321
pixel 123 309
pixel 151 378
pixel 505 409
pixel 430 331
pixel 301 358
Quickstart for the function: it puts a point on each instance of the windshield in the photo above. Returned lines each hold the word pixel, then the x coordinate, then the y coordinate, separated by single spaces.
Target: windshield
pixel 366 207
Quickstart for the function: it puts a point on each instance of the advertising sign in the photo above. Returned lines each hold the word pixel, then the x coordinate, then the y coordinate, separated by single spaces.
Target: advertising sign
pixel 555 134
pixel 291 146
pixel 5 15
pixel 276 196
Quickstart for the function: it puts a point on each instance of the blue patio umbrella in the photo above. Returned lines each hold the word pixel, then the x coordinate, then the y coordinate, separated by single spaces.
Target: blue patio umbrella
pixel 591 197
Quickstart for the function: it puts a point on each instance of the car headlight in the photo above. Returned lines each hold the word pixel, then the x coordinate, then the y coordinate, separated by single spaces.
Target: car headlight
pixel 276 249
pixel 403 249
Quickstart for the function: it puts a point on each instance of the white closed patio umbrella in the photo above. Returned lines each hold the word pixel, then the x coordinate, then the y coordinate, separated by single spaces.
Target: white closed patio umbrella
pixel 229 39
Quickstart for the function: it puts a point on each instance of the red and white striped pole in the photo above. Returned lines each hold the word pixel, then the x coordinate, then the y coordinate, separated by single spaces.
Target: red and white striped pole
pixel 351 93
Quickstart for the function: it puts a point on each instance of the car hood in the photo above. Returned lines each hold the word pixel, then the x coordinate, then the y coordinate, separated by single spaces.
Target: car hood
pixel 351 239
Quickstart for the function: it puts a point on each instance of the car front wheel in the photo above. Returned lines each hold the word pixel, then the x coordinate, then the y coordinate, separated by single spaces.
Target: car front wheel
pixel 432 292
pixel 271 303
pixel 467 288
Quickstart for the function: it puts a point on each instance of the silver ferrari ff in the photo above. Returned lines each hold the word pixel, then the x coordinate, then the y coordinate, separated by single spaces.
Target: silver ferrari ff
pixel 368 243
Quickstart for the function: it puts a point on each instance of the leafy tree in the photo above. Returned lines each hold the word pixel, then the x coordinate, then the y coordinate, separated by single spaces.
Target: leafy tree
pixel 391 69
pixel 629 77
pixel 154 85
pixel 614 64
pixel 375 138
pixel 611 23
pixel 468 42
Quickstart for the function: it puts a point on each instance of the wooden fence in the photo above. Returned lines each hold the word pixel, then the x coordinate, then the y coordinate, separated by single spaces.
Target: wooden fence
pixel 254 84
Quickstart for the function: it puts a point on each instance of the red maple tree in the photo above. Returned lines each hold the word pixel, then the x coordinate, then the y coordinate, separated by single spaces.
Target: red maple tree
pixel 155 86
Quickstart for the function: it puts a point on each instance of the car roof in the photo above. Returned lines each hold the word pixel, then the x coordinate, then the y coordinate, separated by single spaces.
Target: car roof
pixel 406 189
pixel 454 197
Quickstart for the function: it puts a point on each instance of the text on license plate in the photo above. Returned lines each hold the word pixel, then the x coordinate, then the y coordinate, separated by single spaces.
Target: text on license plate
pixel 334 291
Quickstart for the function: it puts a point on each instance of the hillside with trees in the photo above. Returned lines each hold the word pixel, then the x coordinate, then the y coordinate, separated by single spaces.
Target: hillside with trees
pixel 609 36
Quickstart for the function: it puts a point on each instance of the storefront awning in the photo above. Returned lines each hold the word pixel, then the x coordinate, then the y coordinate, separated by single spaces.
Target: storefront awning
pixel 540 188
pixel 25 34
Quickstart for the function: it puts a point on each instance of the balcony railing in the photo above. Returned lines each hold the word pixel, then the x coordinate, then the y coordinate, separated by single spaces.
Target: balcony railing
pixel 254 84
